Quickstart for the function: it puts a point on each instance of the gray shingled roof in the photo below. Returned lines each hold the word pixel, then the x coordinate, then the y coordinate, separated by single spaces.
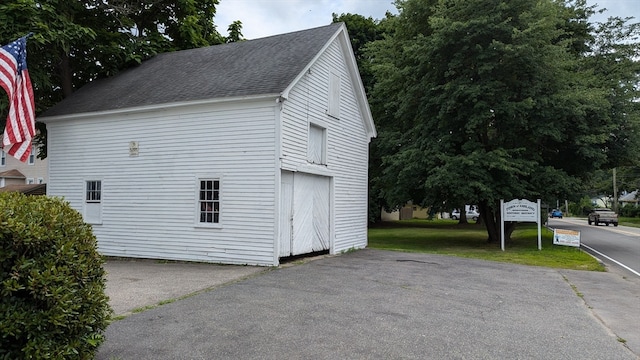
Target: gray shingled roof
pixel 12 174
pixel 255 67
pixel 630 197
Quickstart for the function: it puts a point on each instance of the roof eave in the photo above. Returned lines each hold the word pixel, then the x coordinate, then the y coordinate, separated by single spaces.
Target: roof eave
pixel 163 106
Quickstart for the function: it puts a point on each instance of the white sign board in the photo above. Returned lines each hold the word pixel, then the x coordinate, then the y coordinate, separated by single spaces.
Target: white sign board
pixel 566 237
pixel 520 210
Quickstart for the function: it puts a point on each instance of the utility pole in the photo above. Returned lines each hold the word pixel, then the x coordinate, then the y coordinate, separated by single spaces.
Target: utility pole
pixel 615 192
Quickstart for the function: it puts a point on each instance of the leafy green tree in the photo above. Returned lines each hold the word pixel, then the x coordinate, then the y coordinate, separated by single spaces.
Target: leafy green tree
pixel 487 100
pixel 75 42
pixel 628 178
pixel 235 32
pixel 581 207
pixel 169 24
pixel 362 32
pixel 613 56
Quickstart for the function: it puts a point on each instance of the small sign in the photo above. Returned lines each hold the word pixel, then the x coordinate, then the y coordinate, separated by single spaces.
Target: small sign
pixel 133 148
pixel 521 210
pixel 566 237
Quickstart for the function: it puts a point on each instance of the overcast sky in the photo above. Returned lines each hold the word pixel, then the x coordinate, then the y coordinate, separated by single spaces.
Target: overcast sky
pixel 262 18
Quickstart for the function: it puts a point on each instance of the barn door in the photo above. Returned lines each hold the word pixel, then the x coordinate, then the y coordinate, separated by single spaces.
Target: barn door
pixel 304 213
pixel 311 201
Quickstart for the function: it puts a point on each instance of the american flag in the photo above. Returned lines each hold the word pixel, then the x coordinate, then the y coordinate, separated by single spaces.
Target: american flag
pixel 14 79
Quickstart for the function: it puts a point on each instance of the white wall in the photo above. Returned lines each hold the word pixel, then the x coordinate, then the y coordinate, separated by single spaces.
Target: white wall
pixel 347 152
pixel 149 201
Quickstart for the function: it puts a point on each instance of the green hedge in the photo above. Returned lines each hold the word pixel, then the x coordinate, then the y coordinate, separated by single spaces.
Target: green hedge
pixel 630 211
pixel 52 284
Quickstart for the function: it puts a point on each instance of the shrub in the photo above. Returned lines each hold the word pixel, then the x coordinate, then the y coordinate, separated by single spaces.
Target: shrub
pixel 52 299
pixel 582 208
pixel 630 211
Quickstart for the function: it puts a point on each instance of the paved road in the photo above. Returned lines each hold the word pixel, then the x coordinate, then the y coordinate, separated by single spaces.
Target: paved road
pixel 616 246
pixel 374 304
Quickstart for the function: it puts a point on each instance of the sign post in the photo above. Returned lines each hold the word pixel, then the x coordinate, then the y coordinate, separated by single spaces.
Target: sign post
pixel 520 210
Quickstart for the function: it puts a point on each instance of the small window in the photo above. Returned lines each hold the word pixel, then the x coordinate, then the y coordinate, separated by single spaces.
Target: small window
pixel 317 146
pixel 3 158
pixel 209 201
pixel 40 180
pixel 30 181
pixel 93 201
pixel 333 107
pixel 32 156
pixel 93 192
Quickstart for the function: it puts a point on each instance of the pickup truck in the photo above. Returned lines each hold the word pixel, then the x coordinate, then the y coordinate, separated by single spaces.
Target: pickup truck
pixel 603 216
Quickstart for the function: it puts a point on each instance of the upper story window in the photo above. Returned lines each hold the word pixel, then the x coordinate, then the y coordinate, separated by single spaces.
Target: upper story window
pixel 317 146
pixel 3 158
pixel 333 107
pixel 32 156
pixel 209 201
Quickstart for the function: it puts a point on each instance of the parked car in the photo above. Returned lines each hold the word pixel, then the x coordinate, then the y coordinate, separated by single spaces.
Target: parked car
pixel 603 216
pixel 471 214
pixel 555 213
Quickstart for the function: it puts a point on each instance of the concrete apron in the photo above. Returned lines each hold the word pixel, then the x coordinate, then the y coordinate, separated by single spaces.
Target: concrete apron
pixel 136 284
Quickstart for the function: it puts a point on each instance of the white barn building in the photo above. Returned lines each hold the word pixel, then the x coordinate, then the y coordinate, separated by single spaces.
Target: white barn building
pixel 241 153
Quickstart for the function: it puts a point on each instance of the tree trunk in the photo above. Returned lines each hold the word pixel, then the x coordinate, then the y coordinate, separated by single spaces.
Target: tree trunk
pixel 66 75
pixel 463 215
pixel 462 219
pixel 491 222
pixel 508 230
pixel 490 216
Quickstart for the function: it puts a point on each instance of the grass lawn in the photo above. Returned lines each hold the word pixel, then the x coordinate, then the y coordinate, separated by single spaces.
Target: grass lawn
pixel 447 237
pixel 629 221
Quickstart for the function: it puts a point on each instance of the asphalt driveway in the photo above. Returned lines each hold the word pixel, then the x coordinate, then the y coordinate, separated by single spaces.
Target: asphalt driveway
pixel 374 304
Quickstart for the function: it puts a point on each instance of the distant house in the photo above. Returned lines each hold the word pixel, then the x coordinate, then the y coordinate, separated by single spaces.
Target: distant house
pixel 407 212
pixel 242 153
pixel 601 201
pixel 11 177
pixel 14 172
pixel 629 199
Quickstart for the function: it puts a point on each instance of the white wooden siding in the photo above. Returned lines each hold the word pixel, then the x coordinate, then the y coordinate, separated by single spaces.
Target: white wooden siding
pixel 149 200
pixel 347 145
